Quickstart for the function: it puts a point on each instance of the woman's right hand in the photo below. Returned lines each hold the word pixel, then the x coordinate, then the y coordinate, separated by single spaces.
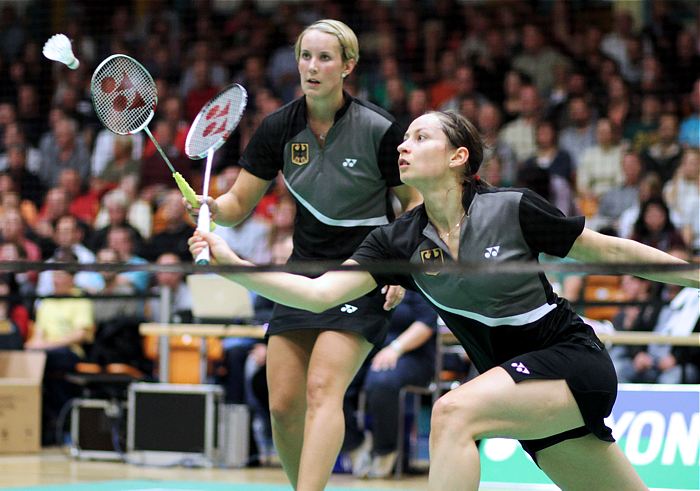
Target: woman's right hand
pixel 219 250
pixel 193 211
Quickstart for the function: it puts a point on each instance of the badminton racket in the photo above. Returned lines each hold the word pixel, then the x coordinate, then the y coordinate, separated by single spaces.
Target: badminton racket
pixel 125 98
pixel 211 128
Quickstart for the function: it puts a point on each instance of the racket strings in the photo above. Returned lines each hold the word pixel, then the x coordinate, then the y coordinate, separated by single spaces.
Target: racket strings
pixel 124 95
pixel 216 121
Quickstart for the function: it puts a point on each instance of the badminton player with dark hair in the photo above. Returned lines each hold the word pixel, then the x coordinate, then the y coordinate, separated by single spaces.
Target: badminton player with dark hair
pixel 545 378
pixel 337 155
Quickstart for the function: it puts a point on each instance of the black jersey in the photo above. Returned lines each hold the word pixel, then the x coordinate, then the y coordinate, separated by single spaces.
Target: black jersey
pixel 341 188
pixel 495 317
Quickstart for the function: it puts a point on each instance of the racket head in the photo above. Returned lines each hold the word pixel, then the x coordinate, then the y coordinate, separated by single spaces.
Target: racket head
pixel 216 121
pixel 123 94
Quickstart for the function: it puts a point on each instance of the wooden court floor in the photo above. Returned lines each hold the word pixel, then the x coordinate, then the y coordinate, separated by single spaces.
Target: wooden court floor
pixel 54 467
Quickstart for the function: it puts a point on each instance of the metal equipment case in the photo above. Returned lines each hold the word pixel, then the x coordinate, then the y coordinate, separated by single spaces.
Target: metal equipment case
pixel 174 424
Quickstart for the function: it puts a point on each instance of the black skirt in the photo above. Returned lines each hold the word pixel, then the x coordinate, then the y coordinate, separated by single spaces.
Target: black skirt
pixel 583 362
pixel 364 316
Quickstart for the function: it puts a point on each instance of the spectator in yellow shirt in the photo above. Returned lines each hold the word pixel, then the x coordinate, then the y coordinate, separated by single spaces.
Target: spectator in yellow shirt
pixel 62 326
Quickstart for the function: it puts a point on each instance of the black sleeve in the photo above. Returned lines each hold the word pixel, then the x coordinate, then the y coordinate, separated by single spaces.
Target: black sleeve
pixel 263 155
pixel 377 248
pixel 545 227
pixel 388 155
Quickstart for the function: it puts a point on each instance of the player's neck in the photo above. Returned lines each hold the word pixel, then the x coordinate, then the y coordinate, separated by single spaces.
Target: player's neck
pixel 444 210
pixel 324 109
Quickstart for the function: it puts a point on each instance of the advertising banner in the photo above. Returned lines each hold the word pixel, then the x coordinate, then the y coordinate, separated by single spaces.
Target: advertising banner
pixel 657 427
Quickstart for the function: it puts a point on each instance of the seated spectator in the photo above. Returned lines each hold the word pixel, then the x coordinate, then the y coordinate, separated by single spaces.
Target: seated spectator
pixel 107 309
pixel 56 205
pixel 619 198
pixel 68 238
pixel 519 134
pixel 682 194
pixel 103 150
pixel 175 231
pixel 13 231
pixel 641 130
pixel 599 168
pixel 537 58
pixel 82 203
pixel 62 326
pixel 655 228
pixel 658 363
pixel 116 205
pixel 664 155
pixel 117 320
pixel 65 148
pixel 406 358
pixel 122 164
pixel 689 136
pixel 489 123
pixel 580 133
pixel 14 317
pixel 139 214
pixel 27 183
pixel 120 238
pixel 180 298
pixel 550 171
pixel 14 137
pixel 10 199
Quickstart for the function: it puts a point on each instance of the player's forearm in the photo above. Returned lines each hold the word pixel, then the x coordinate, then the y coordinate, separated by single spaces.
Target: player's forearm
pixel 312 294
pixel 230 211
pixel 594 247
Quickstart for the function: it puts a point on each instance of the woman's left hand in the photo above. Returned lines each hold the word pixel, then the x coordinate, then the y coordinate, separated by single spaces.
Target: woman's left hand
pixel 394 296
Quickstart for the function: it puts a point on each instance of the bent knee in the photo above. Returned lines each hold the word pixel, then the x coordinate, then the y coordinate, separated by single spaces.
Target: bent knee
pixel 459 412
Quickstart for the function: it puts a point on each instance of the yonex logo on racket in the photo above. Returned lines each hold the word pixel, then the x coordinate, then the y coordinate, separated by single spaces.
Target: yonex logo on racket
pixel 123 90
pixel 219 118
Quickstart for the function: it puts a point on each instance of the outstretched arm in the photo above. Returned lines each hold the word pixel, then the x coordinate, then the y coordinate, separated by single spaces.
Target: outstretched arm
pixel 313 294
pixel 592 246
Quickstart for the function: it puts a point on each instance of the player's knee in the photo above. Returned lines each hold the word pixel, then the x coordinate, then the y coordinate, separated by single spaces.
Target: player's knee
pixel 286 407
pixel 453 415
pixel 319 390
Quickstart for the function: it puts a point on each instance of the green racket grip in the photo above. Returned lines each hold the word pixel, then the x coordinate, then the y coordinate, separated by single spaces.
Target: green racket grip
pixel 186 190
pixel 189 194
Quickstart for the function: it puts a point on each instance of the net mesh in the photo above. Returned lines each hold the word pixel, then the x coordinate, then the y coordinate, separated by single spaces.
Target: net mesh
pixel 216 121
pixel 124 94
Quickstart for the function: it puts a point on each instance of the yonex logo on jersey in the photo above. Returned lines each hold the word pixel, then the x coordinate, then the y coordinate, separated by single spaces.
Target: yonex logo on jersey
pixel 348 309
pixel 492 251
pixel 349 162
pixel 519 367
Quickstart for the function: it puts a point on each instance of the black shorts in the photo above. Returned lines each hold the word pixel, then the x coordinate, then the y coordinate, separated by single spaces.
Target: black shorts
pixel 581 360
pixel 365 316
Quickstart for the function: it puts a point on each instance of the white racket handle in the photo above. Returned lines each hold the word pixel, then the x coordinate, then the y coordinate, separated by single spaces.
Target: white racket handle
pixel 203 224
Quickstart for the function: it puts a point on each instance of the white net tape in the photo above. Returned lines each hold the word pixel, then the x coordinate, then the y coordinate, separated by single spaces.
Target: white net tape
pixel 124 94
pixel 216 121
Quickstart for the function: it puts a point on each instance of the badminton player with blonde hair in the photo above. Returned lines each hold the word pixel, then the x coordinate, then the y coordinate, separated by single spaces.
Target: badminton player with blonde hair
pixel 545 378
pixel 337 155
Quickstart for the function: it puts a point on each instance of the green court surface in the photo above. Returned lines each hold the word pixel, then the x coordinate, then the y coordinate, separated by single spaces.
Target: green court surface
pixel 167 486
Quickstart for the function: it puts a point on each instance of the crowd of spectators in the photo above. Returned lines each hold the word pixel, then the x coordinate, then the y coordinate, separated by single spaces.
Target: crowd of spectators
pixel 596 109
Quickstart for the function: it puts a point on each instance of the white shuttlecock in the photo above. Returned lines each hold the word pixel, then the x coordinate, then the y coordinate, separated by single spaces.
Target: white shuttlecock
pixel 58 48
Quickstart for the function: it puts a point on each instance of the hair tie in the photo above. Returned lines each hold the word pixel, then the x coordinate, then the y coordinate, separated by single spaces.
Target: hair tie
pixel 477 178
